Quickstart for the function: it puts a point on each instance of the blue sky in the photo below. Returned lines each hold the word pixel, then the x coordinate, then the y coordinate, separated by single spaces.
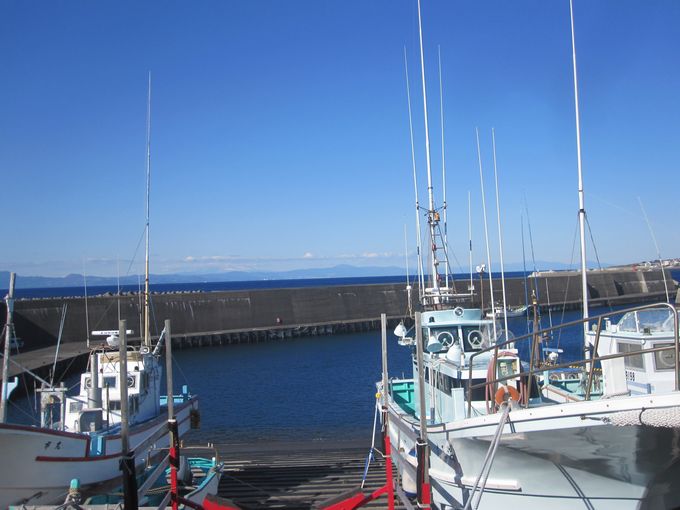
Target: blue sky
pixel 280 130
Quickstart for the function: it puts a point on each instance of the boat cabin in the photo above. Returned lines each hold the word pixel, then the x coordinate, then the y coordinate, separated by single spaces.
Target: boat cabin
pixel 649 372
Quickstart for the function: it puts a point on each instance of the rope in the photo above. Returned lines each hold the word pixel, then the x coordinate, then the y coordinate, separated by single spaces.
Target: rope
pixel 566 290
pixel 370 456
pixel 597 256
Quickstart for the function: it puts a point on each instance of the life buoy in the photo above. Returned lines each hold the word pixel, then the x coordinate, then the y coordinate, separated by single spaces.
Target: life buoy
pixel 511 391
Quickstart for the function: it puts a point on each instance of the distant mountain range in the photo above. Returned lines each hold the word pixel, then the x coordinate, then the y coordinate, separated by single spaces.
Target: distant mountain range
pixel 77 280
pixel 339 271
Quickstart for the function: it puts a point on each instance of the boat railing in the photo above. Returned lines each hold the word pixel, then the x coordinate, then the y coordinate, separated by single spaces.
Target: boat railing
pixel 588 363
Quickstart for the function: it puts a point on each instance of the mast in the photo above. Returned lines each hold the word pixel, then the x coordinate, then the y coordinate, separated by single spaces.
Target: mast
pixel 441 117
pixel 421 272
pixel 486 237
pixel 472 285
pixel 9 330
pixel 500 235
pixel 147 340
pixel 87 316
pixel 432 216
pixel 581 201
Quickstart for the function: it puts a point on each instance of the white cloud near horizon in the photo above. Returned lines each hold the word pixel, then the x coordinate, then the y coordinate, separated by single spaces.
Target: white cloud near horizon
pixel 107 266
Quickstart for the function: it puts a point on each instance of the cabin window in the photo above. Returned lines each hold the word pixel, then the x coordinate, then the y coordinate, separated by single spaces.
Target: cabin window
pixel 664 360
pixel 655 320
pixel 110 381
pixel 632 361
pixel 114 405
pixel 75 407
pixel 474 339
pixel 628 323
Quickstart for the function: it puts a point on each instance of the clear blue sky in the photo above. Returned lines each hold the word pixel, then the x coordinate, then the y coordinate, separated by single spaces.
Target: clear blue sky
pixel 280 129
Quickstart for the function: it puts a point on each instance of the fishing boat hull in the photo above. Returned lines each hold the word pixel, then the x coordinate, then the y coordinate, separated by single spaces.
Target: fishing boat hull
pixel 40 463
pixel 616 454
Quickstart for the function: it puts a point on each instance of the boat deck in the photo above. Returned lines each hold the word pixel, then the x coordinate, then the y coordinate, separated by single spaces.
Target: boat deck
pixel 296 475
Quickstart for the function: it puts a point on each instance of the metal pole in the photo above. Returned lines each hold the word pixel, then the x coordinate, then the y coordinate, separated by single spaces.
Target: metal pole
pixel 168 370
pixel 581 200
pixel 387 446
pixel 383 325
pixel 127 461
pixel 441 116
pixel 500 235
pixel 147 339
pixel 9 328
pixel 421 271
pixel 592 365
pixel 422 450
pixel 174 462
pixel 431 212
pixel 486 237
pixel 122 384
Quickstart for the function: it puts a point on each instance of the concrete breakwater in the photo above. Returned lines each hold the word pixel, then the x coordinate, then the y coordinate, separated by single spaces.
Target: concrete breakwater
pixel 207 318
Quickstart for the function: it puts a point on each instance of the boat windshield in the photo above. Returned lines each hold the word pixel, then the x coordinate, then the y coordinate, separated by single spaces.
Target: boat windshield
pixel 647 321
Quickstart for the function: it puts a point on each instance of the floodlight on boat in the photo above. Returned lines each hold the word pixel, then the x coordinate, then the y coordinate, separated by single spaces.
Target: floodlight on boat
pixel 434 344
pixel 400 330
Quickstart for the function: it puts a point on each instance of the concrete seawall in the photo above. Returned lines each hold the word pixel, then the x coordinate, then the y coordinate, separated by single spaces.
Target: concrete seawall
pixel 256 315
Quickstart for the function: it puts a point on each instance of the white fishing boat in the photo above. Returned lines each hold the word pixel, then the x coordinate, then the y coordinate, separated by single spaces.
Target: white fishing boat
pixel 510 312
pixel 478 427
pixel 119 409
pixel 80 436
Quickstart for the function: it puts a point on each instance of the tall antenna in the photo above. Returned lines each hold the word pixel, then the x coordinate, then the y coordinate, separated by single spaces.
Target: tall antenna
pixel 408 283
pixel 441 116
pixel 87 315
pixel 421 271
pixel 581 199
pixel 472 285
pixel 431 213
pixel 524 268
pixel 147 340
pixel 656 245
pixel 9 334
pixel 118 286
pixel 500 235
pixel 486 236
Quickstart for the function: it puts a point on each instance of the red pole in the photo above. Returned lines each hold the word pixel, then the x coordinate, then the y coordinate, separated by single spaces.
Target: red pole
pixel 174 462
pixel 389 480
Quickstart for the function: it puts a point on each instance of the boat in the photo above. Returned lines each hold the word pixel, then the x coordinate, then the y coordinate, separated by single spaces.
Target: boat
pixel 477 426
pixel 118 410
pixel 510 312
pixel 198 478
pixel 81 436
